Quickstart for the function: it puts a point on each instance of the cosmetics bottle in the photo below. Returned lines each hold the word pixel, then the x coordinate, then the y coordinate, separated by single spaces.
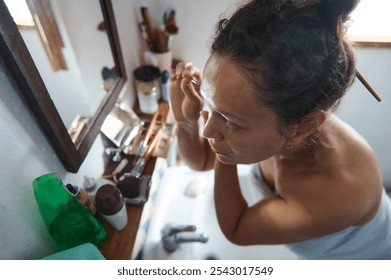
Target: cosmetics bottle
pixel 68 221
pixel 82 195
pixel 111 205
pixel 147 98
pixel 92 185
pixel 165 85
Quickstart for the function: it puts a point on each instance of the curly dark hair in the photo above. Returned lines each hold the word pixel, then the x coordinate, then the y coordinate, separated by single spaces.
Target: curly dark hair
pixel 294 52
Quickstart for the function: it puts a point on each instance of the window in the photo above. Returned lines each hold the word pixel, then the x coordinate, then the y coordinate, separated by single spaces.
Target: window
pixel 370 24
pixel 39 15
pixel 20 12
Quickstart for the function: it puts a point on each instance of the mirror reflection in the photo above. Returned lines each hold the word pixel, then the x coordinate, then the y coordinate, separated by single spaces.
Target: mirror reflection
pixel 72 53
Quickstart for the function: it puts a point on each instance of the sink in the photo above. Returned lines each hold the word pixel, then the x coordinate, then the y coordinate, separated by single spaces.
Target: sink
pixel 174 205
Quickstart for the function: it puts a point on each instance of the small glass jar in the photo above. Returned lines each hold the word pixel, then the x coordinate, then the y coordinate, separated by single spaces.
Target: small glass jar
pixel 148 74
pixel 147 98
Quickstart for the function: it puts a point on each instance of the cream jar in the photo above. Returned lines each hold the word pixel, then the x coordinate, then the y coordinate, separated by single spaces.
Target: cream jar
pixel 111 205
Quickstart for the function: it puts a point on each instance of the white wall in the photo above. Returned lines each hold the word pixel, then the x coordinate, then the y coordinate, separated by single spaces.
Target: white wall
pixel 26 154
pixel 370 118
pixel 196 21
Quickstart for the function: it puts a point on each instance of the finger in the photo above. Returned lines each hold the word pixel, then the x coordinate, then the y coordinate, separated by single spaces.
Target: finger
pixel 188 70
pixel 173 76
pixel 205 116
pixel 179 69
pixel 181 66
pixel 197 74
pixel 190 92
pixel 188 64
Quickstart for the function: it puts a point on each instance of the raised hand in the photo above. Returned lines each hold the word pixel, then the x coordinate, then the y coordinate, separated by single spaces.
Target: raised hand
pixel 185 97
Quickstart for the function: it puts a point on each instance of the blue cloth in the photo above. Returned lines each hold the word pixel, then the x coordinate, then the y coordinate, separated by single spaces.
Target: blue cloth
pixel 85 251
pixel 371 241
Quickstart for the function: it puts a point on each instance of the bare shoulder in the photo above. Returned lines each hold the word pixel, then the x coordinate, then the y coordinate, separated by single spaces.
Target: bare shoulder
pixel 361 172
pixel 344 185
pixel 357 159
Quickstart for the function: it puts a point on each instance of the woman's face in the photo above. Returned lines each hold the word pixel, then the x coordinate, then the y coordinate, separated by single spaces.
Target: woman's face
pixel 239 129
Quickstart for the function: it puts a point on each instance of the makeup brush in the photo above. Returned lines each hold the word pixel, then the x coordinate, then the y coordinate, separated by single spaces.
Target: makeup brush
pixel 171 27
pixel 129 183
pixel 161 45
pixel 144 142
pixel 148 25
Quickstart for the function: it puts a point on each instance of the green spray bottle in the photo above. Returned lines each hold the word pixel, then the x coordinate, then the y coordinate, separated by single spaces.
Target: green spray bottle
pixel 68 221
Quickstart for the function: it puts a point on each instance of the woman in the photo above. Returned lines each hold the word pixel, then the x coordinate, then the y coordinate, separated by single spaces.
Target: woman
pixel 277 70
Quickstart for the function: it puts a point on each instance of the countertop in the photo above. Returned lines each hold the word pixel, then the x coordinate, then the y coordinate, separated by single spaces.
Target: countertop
pixel 119 245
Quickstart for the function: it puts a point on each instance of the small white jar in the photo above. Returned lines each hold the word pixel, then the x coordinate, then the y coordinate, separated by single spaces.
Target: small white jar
pixel 147 98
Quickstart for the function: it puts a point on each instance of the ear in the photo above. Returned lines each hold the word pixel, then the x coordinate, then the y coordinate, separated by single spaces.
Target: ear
pixel 309 125
pixel 321 118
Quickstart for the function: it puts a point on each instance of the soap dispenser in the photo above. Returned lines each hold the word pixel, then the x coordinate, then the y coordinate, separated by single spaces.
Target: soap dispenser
pixel 68 221
pixel 90 185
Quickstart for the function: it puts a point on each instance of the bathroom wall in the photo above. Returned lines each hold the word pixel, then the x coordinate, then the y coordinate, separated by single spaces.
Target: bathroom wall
pixel 369 117
pixel 25 152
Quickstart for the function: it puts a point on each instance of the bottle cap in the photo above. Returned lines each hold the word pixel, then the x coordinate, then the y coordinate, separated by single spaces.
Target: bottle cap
pixel 89 182
pixel 109 200
pixel 73 189
pixel 165 76
pixel 147 73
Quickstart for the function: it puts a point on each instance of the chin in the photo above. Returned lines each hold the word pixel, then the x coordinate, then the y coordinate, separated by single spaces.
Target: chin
pixel 228 160
pixel 225 159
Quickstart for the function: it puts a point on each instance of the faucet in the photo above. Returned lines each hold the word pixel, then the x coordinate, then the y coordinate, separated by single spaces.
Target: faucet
pixel 174 235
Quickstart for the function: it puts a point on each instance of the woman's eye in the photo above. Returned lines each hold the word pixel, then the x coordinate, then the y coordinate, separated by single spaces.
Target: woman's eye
pixel 229 124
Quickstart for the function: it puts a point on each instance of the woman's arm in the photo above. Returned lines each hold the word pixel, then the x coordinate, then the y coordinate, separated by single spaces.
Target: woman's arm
pixel 186 103
pixel 194 149
pixel 313 208
pixel 229 201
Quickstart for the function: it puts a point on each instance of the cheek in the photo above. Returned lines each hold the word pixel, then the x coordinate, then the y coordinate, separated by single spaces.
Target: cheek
pixel 256 147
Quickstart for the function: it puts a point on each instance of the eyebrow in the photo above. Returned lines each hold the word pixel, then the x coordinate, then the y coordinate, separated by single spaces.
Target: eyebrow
pixel 221 112
pixel 229 115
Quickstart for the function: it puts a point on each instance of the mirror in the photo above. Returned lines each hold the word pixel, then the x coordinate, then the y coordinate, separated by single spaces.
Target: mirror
pixel 71 51
pixel 38 88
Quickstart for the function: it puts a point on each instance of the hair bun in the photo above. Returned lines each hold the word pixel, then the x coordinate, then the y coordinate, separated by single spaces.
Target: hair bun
pixel 333 11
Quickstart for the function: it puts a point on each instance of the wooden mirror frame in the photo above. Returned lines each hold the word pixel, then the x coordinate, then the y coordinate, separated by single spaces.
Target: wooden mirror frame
pixel 23 71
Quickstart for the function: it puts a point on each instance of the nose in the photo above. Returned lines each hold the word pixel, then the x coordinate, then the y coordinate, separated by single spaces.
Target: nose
pixel 210 130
